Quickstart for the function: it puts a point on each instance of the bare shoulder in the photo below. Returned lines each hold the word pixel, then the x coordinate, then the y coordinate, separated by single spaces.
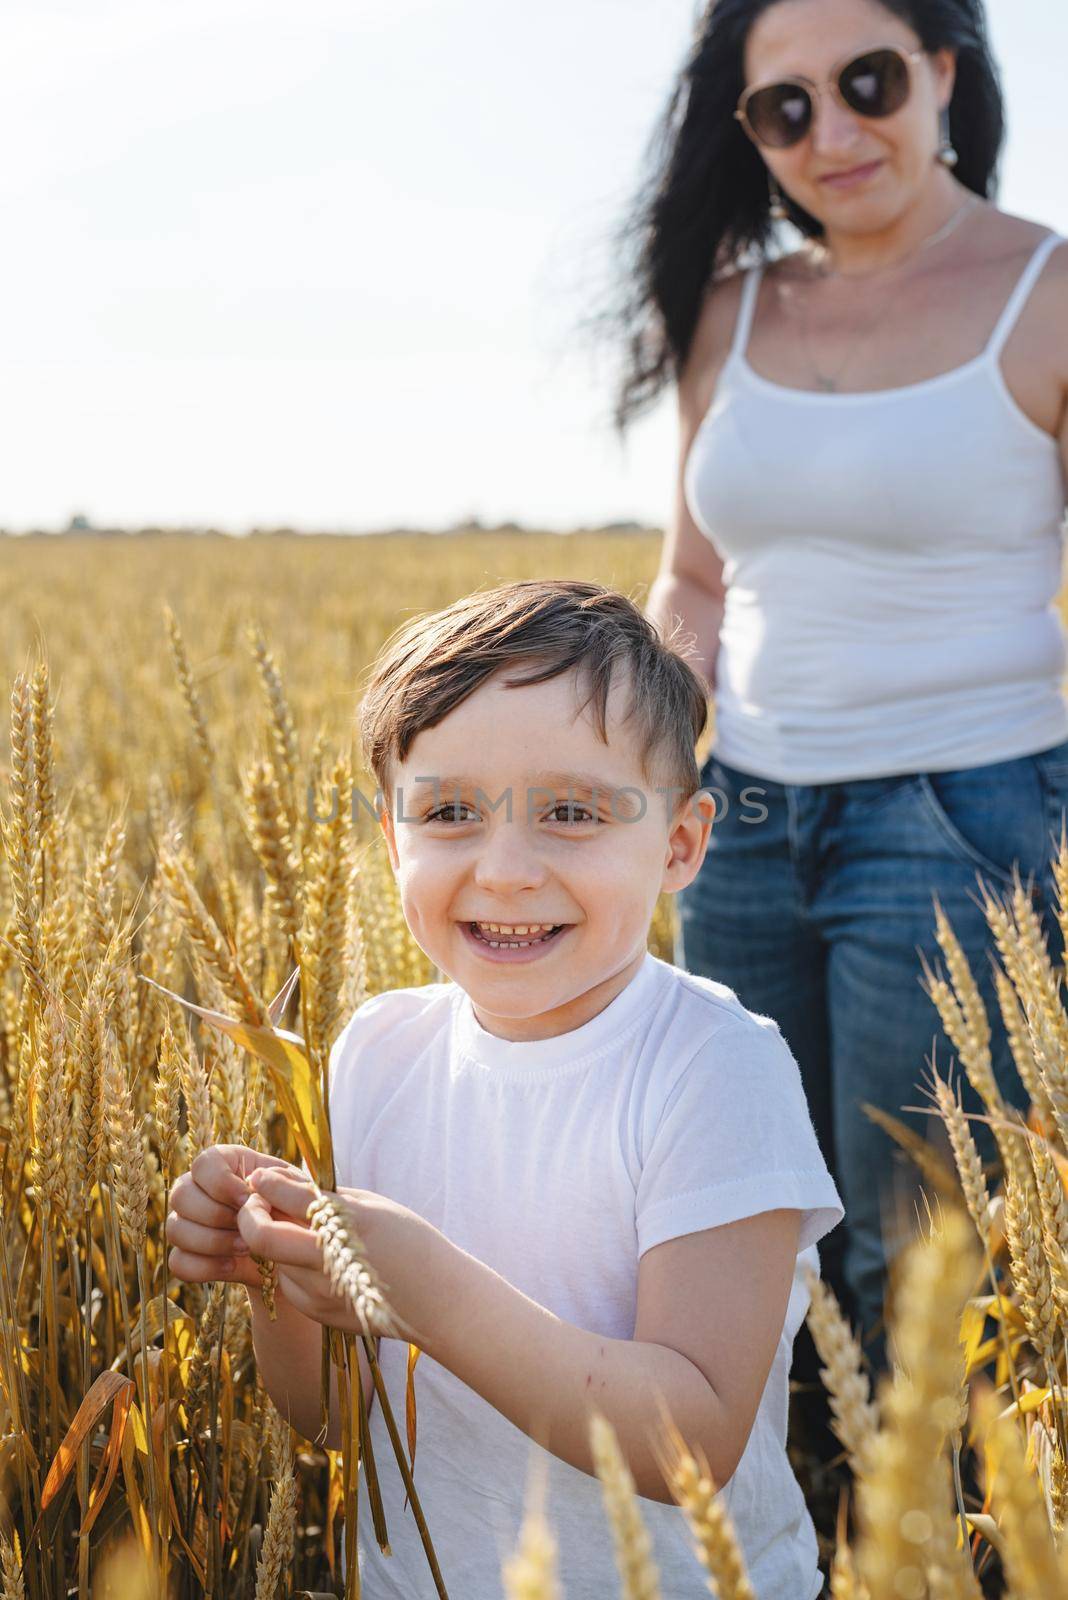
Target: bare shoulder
pixel 713 333
pixel 1008 237
pixel 1022 233
pixel 1047 308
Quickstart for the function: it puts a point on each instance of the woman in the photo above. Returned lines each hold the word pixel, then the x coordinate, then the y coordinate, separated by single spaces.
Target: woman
pixel 866 544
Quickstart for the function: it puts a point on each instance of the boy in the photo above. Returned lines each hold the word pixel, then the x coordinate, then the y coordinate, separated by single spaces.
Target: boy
pixel 585 1178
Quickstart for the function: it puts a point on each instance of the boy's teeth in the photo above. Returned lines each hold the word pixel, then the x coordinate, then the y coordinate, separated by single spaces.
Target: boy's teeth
pixel 517 932
pixel 521 934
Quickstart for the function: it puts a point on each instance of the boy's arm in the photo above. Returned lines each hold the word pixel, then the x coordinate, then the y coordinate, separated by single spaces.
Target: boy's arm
pixel 711 1310
pixel 289 1360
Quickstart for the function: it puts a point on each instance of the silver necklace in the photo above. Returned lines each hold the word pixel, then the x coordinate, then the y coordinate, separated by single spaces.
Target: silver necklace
pixel 829 382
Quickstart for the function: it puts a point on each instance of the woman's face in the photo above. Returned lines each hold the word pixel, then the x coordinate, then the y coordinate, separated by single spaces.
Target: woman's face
pixel 808 39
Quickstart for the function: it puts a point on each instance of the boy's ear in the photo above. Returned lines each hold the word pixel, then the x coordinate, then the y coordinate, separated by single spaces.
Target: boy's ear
pixel 688 840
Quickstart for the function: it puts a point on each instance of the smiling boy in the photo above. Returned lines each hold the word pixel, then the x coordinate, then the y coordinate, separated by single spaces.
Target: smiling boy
pixel 584 1176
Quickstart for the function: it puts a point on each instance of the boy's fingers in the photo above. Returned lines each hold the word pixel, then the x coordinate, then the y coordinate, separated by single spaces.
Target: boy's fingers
pixel 281 1240
pixel 192 1236
pixel 189 1200
pixel 214 1171
pixel 221 1170
pixel 286 1191
pixel 193 1268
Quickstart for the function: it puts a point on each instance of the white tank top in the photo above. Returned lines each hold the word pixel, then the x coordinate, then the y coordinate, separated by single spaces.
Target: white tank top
pixel 892 559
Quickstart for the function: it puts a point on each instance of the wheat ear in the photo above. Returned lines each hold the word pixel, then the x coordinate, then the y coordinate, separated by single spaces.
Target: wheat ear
pixel 693 1488
pixel 633 1546
pixel 277 1551
pixel 345 1262
pixel 848 1386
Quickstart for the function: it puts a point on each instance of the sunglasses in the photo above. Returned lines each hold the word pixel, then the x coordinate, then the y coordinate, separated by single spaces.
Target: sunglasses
pixel 875 84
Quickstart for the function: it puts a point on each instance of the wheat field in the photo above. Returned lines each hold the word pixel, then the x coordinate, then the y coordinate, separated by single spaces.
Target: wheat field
pixel 172 703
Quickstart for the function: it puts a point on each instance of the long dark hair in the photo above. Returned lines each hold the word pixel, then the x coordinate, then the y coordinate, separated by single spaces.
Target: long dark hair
pixel 705 201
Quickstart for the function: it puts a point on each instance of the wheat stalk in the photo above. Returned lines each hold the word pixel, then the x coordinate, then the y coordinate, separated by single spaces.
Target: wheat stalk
pixel 1019 1038
pixel 50 1151
pixel 204 933
pixel 20 846
pixel 45 796
pixel 328 931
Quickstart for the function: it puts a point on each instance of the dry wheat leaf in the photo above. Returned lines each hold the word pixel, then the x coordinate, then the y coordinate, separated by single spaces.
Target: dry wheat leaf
pixel 138 1514
pixel 281 999
pixel 108 1387
pixel 409 1409
pixel 295 1083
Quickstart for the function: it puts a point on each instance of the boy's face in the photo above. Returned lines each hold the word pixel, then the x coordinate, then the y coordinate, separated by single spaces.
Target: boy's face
pixel 593 862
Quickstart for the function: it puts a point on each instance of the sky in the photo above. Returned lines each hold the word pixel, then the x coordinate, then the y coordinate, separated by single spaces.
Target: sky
pixel 324 265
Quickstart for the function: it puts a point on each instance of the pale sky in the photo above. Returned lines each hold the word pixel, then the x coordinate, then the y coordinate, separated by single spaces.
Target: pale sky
pixel 321 264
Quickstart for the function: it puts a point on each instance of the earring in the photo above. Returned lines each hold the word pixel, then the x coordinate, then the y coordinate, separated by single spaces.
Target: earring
pixel 946 154
pixel 777 208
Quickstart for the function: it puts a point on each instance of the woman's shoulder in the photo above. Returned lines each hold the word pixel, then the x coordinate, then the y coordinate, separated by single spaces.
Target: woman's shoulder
pixel 1009 239
pixel 1002 251
pixel 1013 232
pixel 717 318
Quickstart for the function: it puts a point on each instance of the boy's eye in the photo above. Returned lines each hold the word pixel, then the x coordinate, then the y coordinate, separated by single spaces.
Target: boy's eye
pixel 448 813
pixel 573 806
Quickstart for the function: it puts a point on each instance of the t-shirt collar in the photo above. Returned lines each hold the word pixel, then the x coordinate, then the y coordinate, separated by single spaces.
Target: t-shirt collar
pixel 563 1049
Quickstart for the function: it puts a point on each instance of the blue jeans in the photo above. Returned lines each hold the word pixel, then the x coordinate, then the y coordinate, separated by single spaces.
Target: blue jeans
pixel 813 904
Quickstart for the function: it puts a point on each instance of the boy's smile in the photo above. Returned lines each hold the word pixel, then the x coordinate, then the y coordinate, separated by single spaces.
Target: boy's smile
pixel 512 814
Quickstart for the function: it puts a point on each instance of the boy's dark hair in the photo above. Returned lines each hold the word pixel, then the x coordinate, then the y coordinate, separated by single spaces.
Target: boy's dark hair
pixel 433 662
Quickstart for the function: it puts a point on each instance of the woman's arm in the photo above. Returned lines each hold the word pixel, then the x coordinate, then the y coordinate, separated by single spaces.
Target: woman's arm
pixel 700 610
pixel 689 583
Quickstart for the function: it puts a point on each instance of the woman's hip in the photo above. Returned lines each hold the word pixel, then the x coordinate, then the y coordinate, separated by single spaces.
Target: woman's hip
pixel 877 846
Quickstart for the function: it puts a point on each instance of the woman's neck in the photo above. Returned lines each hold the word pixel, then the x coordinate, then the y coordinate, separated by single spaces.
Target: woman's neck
pixel 843 254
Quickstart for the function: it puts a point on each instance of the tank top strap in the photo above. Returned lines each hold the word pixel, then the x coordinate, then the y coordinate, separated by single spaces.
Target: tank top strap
pixel 1024 285
pixel 746 308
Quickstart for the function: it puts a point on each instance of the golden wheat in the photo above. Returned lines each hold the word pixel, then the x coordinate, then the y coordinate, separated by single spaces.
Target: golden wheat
pixel 633 1546
pixel 856 1416
pixel 142 868
pixel 345 1262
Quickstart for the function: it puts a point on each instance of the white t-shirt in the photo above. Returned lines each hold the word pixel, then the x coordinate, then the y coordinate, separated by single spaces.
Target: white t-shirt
pixel 558 1163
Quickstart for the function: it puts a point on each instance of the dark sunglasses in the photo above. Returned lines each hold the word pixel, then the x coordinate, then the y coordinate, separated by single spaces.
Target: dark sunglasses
pixel 875 84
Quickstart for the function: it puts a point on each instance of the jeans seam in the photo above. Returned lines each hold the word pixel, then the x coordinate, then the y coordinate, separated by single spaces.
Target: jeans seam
pixel 801 886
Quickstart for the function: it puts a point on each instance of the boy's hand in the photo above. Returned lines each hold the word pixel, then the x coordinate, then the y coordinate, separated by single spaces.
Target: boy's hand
pixel 202 1222
pixel 274 1224
pixel 408 1254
